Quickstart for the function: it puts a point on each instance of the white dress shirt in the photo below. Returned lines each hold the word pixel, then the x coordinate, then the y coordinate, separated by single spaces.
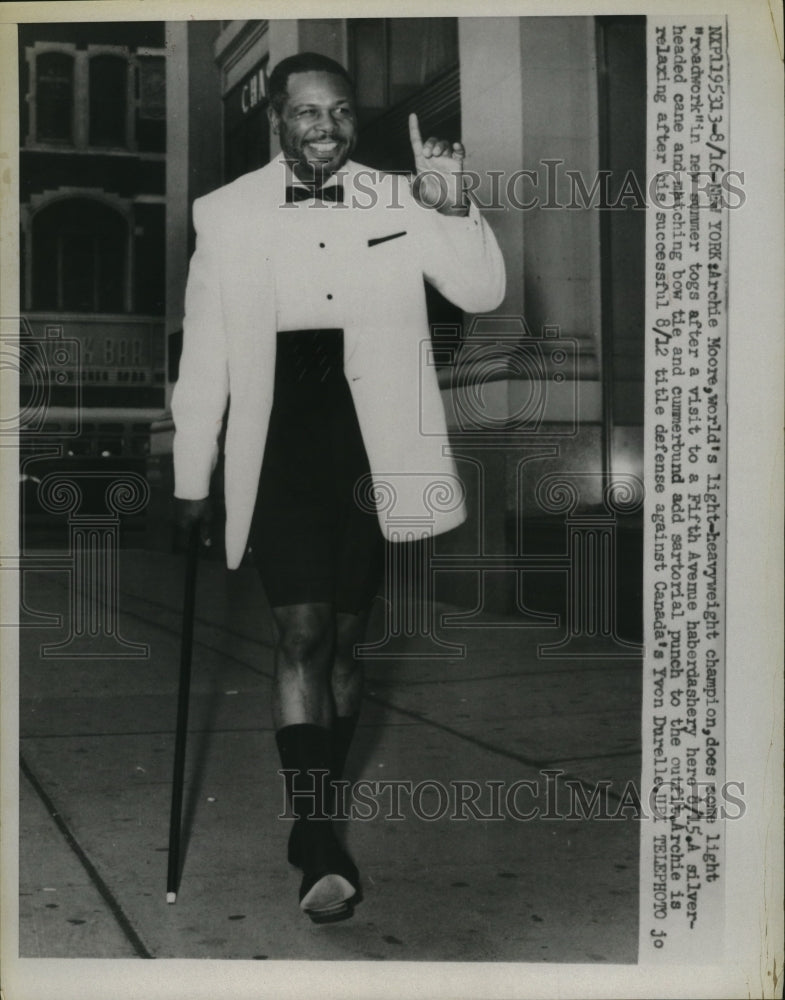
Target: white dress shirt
pixel 313 271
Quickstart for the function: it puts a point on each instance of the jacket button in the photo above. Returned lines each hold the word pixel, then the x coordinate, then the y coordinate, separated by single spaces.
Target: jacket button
pixel 329 296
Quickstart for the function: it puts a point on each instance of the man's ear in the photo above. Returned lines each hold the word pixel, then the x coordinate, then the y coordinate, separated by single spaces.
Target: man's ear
pixel 275 118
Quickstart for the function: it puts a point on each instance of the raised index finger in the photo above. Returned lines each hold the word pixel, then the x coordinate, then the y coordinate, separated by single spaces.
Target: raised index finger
pixel 414 135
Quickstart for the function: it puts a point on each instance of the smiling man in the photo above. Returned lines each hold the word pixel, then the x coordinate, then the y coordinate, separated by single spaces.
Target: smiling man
pixel 315 121
pixel 305 308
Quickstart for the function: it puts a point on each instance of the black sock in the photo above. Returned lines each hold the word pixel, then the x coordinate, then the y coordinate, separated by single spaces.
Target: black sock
pixel 305 751
pixel 342 735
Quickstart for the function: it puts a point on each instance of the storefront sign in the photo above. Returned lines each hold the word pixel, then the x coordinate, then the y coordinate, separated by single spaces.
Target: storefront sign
pixel 253 90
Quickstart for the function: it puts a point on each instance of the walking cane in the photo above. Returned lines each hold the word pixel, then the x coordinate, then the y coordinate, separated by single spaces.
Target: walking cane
pixel 181 731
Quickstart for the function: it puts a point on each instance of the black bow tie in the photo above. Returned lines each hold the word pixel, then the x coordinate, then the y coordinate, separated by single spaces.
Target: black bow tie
pixel 299 193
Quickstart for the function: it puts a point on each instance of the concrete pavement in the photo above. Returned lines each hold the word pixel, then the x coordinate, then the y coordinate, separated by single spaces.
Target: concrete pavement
pixel 97 750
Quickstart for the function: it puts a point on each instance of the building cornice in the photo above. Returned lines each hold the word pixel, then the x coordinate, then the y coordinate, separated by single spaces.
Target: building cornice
pixel 236 50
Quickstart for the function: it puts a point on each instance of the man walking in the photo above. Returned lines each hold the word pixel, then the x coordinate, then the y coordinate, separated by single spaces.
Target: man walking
pixel 305 312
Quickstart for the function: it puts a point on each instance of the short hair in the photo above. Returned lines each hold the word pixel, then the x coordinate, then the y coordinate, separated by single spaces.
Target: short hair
pixel 302 62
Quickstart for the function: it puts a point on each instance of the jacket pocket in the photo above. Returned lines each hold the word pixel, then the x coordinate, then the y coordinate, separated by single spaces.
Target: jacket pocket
pixel 383 239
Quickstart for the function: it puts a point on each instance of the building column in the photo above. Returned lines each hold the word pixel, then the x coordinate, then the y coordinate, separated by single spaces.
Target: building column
pixel 492 117
pixel 492 121
pixel 284 40
pixel 176 176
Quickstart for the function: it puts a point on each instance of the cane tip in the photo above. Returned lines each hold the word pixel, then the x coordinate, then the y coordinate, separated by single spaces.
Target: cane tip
pixel 171 897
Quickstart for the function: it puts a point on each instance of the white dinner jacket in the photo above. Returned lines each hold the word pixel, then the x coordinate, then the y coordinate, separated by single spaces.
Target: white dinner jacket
pixel 229 338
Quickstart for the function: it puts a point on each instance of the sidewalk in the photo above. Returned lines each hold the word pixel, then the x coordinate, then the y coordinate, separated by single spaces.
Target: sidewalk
pixel 97 750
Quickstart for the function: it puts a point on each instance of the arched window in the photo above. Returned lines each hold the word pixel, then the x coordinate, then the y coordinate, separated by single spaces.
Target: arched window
pixel 79 257
pixel 54 97
pixel 108 100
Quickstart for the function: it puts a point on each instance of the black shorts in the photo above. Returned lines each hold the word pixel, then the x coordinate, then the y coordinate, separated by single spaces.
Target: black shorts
pixel 310 540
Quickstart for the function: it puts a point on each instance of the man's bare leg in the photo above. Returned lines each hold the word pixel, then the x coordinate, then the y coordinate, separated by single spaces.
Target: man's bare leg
pixel 302 713
pixel 304 649
pixel 347 685
pixel 347 672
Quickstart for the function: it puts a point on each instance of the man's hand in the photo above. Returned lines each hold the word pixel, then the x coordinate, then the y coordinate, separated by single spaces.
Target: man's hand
pixel 439 166
pixel 186 515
